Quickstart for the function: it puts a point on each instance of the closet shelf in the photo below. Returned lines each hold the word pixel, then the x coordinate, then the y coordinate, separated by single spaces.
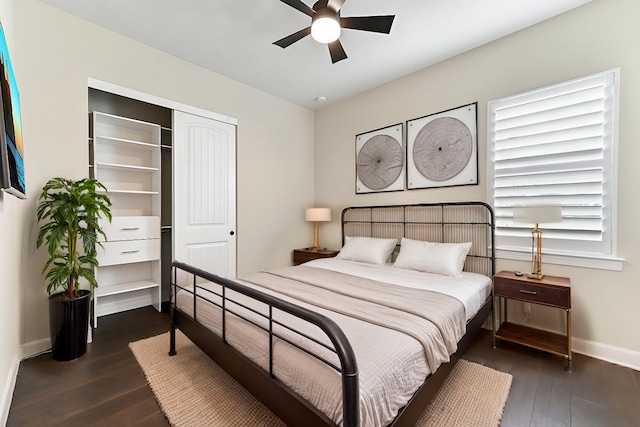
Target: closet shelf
pixel 127 160
pixel 130 168
pixel 127 143
pixel 123 288
pixel 139 192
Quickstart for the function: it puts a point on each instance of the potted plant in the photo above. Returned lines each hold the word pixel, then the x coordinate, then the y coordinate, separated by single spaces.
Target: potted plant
pixel 68 212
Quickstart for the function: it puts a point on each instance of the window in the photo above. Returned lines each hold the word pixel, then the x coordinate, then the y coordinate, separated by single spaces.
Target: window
pixel 557 146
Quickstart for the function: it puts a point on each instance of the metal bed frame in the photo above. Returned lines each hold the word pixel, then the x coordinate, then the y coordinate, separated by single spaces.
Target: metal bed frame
pixel 452 222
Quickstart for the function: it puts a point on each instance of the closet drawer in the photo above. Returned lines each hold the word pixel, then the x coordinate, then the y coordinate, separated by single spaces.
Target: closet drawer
pixel 131 228
pixel 128 251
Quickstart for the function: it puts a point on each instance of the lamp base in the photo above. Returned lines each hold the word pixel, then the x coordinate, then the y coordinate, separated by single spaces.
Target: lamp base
pixel 536 255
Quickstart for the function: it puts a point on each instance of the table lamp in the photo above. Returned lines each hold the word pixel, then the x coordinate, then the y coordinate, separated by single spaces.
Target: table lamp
pixel 317 215
pixel 540 214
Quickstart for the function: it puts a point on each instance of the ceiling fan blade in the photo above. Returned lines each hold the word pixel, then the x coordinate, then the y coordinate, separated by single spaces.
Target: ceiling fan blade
pixel 376 24
pixel 292 38
pixel 297 4
pixel 336 51
pixel 335 4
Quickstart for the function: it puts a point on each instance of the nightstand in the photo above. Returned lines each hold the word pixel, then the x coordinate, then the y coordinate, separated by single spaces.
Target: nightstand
pixel 550 291
pixel 307 254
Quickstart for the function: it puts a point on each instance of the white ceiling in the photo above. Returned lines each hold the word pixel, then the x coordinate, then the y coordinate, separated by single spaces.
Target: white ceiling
pixel 234 38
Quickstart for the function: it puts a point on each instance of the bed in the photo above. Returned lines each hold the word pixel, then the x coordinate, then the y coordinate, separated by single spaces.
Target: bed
pixel 349 341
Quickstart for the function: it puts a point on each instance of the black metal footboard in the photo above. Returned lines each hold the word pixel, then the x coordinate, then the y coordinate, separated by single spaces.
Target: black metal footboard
pixel 276 395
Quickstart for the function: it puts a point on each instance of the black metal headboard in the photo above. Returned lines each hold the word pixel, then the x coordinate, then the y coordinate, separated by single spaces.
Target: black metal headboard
pixel 451 222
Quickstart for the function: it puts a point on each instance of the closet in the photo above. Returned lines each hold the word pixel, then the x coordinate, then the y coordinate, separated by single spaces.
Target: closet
pixel 131 152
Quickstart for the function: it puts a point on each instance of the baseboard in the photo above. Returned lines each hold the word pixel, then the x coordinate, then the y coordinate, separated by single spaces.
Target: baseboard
pixel 7 393
pixel 608 353
pixel 35 347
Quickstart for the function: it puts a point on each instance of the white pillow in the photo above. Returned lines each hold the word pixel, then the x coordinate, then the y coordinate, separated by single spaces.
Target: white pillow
pixel 440 258
pixel 367 249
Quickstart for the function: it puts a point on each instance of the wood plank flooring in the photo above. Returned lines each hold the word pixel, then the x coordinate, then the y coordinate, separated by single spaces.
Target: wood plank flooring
pixel 106 387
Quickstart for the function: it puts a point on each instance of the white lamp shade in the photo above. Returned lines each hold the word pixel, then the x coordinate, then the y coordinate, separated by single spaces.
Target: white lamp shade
pixel 317 214
pixel 540 214
pixel 325 29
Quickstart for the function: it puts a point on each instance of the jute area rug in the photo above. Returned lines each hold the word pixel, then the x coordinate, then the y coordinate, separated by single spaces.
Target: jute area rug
pixel 193 391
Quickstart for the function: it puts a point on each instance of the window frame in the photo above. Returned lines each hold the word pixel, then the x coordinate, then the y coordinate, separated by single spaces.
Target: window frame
pixel 565 256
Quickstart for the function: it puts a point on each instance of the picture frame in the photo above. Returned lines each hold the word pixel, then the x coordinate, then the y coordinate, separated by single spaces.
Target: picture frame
pixel 12 171
pixel 380 160
pixel 442 148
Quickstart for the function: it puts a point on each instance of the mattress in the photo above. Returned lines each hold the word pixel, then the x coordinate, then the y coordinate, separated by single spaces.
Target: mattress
pixel 397 343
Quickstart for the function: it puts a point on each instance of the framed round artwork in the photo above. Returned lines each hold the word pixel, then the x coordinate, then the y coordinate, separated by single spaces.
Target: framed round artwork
pixel 380 160
pixel 442 149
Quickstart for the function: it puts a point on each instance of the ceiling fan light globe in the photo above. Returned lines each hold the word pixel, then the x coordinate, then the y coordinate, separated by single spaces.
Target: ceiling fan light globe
pixel 325 29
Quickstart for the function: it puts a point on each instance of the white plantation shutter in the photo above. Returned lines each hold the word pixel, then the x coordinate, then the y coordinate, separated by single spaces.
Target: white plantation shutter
pixel 555 146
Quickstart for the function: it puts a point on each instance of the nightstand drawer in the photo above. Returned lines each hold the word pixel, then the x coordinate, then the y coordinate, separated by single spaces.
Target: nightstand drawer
pixel 532 292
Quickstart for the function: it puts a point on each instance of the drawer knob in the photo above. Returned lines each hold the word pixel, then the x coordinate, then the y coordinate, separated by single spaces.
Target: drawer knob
pixel 524 291
pixel 130 228
pixel 129 252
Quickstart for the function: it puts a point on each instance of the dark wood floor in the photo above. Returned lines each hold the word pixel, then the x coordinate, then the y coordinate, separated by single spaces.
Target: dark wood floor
pixel 106 387
pixel 543 393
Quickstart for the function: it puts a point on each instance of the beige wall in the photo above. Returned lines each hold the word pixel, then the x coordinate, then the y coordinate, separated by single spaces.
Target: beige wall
pixel 55 54
pixel 595 37
pixel 11 254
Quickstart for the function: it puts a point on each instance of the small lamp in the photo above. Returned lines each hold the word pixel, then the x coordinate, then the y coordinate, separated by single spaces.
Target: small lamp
pixel 541 214
pixel 317 215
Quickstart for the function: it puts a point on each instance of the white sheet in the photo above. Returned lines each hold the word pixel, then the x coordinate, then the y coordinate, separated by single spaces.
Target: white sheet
pixel 471 289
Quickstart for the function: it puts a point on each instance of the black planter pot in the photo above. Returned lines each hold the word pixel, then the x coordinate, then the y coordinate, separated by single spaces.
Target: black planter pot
pixel 69 325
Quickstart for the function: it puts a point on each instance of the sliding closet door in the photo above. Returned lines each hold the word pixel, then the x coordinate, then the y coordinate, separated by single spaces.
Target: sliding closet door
pixel 204 196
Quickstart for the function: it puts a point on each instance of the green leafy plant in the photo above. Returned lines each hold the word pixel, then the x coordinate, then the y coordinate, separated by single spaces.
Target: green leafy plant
pixel 69 212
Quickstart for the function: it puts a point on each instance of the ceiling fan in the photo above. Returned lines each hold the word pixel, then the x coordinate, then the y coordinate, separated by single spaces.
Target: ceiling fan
pixel 326 24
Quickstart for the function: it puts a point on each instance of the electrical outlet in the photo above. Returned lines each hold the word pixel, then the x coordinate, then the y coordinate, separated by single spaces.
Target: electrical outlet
pixel 527 308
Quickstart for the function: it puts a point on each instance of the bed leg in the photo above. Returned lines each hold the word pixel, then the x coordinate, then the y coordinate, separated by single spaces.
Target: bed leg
pixel 351 400
pixel 172 340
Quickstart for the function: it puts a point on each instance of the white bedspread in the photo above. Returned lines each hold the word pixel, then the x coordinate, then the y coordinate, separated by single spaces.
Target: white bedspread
pixel 392 364
pixel 471 289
